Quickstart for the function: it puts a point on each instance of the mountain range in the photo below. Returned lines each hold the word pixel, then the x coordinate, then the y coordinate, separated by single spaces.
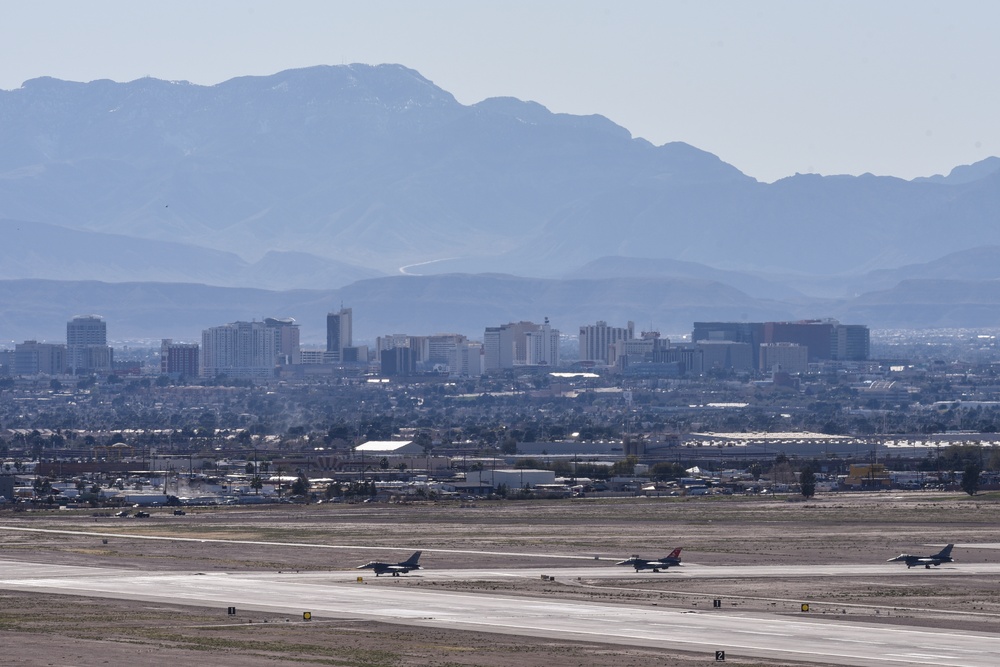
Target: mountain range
pixel 371 186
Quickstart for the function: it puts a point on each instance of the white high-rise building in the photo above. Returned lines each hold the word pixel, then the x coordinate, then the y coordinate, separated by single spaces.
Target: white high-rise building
pixel 507 345
pixel 596 340
pixel 472 359
pixel 542 346
pixel 239 349
pixel 787 357
pixel 87 330
pixel 32 358
pixel 286 340
pixel 442 353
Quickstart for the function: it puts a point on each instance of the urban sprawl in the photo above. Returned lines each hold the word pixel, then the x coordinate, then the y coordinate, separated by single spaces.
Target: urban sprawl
pixel 250 415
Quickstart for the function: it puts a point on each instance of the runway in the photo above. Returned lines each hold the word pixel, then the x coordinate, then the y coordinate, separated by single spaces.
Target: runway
pixel 338 595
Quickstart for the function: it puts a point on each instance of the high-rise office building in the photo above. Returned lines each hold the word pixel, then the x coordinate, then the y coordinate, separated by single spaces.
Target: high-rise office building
pixel 637 350
pixel 239 349
pixel 286 339
pixel 596 340
pixel 506 346
pixel 726 355
pixel 439 353
pixel 471 358
pixel 33 358
pixel 87 348
pixel 338 332
pixel 853 342
pixel 737 332
pixel 86 330
pixel 784 357
pixel 397 361
pixel 824 340
pixel 542 346
pixel 179 359
pixel 817 336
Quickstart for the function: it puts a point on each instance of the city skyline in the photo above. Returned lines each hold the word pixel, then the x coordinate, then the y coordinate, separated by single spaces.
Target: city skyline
pixel 257 349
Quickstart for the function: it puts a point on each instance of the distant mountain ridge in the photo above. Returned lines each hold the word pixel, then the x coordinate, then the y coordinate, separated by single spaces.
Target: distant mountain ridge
pixel 320 184
pixel 376 166
pixel 37 250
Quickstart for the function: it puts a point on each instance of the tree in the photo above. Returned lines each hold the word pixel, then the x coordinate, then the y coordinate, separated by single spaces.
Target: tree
pixel 665 470
pixel 42 486
pixel 425 441
pixel 807 482
pixel 300 486
pixel 970 479
pixel 508 445
pixel 625 467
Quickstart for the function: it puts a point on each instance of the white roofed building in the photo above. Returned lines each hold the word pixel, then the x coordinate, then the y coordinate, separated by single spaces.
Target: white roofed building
pixel 389 448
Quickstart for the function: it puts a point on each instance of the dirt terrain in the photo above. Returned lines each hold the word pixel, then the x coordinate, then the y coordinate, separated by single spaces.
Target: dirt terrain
pixel 61 630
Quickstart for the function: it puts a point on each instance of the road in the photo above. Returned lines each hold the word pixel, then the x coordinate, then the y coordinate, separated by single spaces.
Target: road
pixel 333 595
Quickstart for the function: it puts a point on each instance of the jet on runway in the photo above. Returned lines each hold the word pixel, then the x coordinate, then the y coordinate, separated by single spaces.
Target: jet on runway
pixel 396 569
pixel 673 559
pixel 943 556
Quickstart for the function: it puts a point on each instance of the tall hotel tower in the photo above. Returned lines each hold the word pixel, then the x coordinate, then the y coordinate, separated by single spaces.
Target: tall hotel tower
pixel 338 333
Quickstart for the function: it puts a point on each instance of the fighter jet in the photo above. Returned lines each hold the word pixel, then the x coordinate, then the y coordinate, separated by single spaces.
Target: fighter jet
pixel 395 569
pixel 943 556
pixel 673 559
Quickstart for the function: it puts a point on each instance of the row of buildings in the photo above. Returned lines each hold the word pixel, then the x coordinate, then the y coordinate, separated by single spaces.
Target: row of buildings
pixel 85 351
pixel 741 347
pixel 260 349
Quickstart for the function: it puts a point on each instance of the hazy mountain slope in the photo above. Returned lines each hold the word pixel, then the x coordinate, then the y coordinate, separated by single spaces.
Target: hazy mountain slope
pixel 976 264
pixel 918 304
pixel 299 270
pixel 639 268
pixel 37 250
pixel 371 163
pixel 378 167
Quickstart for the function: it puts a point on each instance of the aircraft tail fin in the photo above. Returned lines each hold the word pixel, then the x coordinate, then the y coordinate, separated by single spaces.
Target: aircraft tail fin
pixel 676 553
pixel 412 560
pixel 946 552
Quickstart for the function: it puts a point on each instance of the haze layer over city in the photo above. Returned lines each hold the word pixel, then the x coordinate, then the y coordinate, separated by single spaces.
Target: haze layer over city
pixel 526 297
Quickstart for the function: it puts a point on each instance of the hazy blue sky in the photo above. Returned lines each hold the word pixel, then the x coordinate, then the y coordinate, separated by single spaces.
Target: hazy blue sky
pixel 898 87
